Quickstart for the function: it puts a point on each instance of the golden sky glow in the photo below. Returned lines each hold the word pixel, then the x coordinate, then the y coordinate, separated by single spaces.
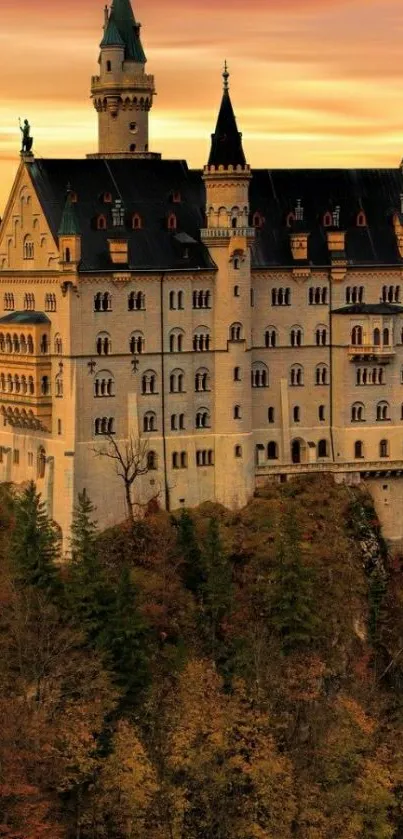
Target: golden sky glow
pixel 312 83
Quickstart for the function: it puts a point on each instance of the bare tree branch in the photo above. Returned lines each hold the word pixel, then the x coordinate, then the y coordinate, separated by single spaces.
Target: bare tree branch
pixel 131 463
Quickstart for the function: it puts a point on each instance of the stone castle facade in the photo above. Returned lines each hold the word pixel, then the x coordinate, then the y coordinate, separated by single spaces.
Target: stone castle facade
pixel 247 324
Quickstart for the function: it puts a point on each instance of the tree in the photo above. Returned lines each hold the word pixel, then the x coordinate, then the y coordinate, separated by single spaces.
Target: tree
pixel 89 594
pixel 131 461
pixel 217 589
pixel 35 543
pixel 194 571
pixel 294 611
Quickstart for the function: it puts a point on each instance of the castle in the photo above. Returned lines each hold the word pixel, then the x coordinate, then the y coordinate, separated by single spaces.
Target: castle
pixel 247 323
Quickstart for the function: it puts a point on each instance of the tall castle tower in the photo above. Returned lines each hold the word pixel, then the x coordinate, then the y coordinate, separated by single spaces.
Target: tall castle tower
pixel 122 93
pixel 229 238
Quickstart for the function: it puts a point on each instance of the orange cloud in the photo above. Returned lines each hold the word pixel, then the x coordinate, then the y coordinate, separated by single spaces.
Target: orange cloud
pixel 313 83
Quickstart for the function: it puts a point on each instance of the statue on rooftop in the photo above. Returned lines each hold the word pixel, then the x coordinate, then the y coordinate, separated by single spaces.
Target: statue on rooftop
pixel 27 140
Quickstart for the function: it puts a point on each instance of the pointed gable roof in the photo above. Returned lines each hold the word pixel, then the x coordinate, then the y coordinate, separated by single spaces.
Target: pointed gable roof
pixel 112 36
pixel 69 225
pixel 128 29
pixel 226 142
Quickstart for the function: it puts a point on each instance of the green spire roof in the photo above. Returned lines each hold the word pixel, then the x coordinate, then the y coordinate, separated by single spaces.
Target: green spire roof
pixel 112 36
pixel 125 25
pixel 69 225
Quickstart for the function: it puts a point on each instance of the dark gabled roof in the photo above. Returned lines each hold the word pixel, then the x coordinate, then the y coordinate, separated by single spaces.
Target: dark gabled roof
pixel 274 194
pixel 370 309
pixel 25 318
pixel 226 142
pixel 129 31
pixel 145 187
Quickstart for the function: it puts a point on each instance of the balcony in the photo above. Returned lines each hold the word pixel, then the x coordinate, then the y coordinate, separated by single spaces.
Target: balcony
pixel 227 232
pixel 360 352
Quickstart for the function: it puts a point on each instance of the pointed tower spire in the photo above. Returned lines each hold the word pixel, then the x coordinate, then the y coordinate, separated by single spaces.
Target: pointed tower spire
pixel 129 30
pixel 226 142
pixel 69 225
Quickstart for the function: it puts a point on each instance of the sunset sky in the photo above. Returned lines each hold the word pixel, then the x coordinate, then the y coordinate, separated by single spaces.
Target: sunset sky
pixel 313 82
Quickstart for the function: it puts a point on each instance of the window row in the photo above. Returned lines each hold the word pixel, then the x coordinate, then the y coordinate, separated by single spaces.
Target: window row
pixel 296 336
pixel 370 376
pixel 201 342
pixel 136 300
pixel 24 385
pixel 40 456
pixel 322 450
pixel 177 421
pixel 359 449
pixel 149 381
pixel 354 294
pixel 382 412
pixel 271 414
pixel 379 337
pixel 135 222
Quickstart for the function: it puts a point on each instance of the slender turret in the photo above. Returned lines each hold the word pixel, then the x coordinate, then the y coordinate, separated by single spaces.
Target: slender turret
pixel 122 93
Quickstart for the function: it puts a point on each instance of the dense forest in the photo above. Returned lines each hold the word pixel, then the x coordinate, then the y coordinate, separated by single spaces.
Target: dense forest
pixel 207 674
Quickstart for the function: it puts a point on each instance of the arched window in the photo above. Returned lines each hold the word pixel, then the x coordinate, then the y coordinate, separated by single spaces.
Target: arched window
pixel 296 336
pixel 322 374
pixel 28 248
pixel 321 336
pixel 149 382
pixel 108 66
pixel 235 332
pixel 59 385
pixel 384 448
pixel 323 448
pixel 356 336
pixel 296 375
pixel 327 219
pixel 385 337
pixel 259 375
pixel 357 412
pixel 44 344
pixel 45 386
pixel 152 461
pixel 177 381
pixel 172 222
pixel 361 219
pixel 29 302
pixel 202 380
pixel 201 339
pixel 270 337
pixel 202 419
pixel 382 411
pixel 100 222
pixel 104 384
pixel 136 222
pixel 149 422
pixel 358 449
pixel 377 337
pixel 237 291
pixel 16 343
pixel 103 302
pixel 103 344
pixel 272 450
pixel 58 344
pixel 176 337
pixel 40 463
pixel 136 301
pixel 136 343
pixel 257 220
pixel 237 374
pixel 290 219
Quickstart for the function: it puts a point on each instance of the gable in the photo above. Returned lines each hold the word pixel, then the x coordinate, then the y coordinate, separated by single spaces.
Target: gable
pixel 26 241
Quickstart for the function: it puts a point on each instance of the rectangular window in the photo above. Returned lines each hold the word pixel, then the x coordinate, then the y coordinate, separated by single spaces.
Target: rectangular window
pixel 30 458
pixel 1 454
pixel 16 457
pixel 322 413
pixel 59 426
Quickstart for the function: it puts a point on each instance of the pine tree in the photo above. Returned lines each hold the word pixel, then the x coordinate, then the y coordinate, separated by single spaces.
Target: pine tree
pixel 193 570
pixel 90 597
pixel 294 610
pixel 218 588
pixel 126 641
pixel 35 543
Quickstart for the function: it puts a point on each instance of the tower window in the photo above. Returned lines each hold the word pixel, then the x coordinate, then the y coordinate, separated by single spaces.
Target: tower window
pixel 238 451
pixel 236 291
pixel 132 146
pixel 133 127
pixel 108 66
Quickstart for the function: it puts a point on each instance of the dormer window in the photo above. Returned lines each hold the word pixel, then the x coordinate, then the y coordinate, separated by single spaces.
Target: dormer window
pixel 136 222
pixel 73 197
pixel 290 219
pixel 101 223
pixel 327 220
pixel 106 198
pixel 175 197
pixel 361 219
pixel 172 221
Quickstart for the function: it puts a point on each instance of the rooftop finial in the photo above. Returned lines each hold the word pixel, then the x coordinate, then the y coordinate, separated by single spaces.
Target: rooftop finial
pixel 225 76
pixel 106 17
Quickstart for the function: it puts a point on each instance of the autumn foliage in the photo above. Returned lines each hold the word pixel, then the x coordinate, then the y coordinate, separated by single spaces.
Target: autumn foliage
pixel 202 675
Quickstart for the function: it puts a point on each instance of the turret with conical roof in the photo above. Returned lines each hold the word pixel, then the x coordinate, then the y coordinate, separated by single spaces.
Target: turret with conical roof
pixel 69 235
pixel 226 142
pixel 122 93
